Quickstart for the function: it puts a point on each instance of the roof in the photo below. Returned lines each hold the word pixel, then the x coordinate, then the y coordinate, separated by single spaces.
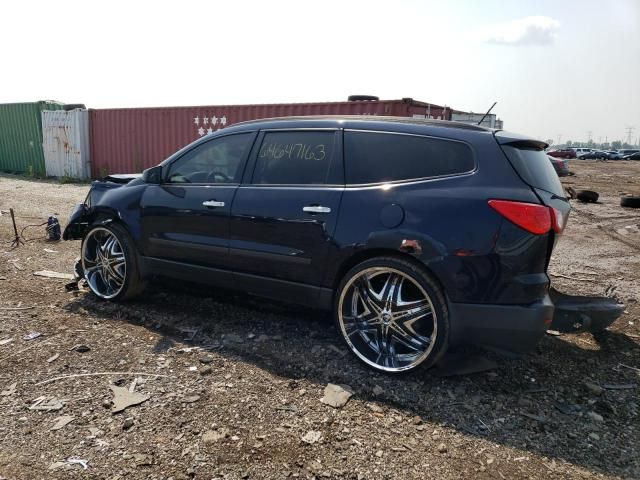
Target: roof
pixel 372 119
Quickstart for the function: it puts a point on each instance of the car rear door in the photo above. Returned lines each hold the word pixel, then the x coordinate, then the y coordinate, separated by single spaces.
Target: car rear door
pixel 284 217
pixel 186 218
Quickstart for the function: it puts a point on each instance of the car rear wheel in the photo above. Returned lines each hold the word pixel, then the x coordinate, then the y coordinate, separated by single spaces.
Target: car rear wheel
pixel 109 263
pixel 392 315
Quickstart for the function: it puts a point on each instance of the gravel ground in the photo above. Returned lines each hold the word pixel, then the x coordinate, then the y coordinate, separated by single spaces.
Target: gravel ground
pixel 229 386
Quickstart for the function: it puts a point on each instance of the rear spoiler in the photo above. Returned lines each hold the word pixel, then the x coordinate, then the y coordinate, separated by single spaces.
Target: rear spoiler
pixel 518 141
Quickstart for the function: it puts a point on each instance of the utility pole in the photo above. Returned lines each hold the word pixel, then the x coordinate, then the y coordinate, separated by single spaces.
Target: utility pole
pixel 559 138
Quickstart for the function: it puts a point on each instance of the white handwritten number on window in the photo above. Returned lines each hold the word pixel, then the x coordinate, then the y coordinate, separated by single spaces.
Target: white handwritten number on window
pixel 296 151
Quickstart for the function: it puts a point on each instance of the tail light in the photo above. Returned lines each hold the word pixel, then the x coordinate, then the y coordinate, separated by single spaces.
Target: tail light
pixel 534 218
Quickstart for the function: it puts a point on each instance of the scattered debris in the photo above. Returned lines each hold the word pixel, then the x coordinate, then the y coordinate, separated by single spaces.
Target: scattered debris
pixel 80 348
pixel 62 421
pixel 47 404
pixel 78 461
pixel 336 396
pixel 48 250
pixel 51 274
pixel 32 336
pixel 123 398
pixel 128 423
pixel 53 357
pixel 11 389
pixel 311 437
pixel 537 418
pixel 442 448
pixel 17 308
pixel 6 341
pixel 191 399
pixel 626 386
pixel 587 196
pixel 76 375
pixel 377 390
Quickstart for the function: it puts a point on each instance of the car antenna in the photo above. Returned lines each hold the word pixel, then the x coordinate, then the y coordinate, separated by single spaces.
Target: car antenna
pixel 485 115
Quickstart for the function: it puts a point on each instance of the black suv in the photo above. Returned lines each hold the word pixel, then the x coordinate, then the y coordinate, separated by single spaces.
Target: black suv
pixel 417 234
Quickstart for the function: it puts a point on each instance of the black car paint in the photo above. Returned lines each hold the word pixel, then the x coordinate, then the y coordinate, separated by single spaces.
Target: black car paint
pixel 493 272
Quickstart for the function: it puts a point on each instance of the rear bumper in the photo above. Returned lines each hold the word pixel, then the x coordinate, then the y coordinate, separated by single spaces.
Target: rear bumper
pixel 506 328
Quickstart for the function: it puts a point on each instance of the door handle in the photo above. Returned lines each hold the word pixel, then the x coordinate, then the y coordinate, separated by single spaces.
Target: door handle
pixel 212 203
pixel 316 209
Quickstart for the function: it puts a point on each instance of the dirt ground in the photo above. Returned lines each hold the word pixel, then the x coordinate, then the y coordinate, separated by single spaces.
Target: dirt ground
pixel 231 385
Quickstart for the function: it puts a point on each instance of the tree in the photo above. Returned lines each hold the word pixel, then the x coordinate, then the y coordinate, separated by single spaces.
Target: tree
pixel 616 144
pixel 569 143
pixel 549 141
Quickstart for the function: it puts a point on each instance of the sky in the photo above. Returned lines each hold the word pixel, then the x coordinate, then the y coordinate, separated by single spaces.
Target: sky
pixel 559 69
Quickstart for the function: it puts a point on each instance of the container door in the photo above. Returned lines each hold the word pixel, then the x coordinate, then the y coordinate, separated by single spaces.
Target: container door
pixel 186 219
pixel 283 220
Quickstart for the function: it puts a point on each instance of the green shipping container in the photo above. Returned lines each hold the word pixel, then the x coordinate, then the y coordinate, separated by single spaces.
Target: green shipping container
pixel 21 136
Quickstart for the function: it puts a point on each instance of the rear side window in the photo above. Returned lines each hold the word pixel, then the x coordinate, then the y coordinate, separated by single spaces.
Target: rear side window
pixel 295 158
pixel 534 167
pixel 372 157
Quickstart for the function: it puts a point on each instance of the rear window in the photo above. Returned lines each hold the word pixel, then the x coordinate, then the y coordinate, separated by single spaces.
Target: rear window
pixel 372 157
pixel 534 167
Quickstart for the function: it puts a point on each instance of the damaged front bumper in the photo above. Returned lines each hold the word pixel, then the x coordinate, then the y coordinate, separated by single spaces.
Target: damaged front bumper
pixel 78 223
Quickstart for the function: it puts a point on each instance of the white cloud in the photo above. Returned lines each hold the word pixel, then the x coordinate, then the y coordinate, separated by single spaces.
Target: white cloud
pixel 536 30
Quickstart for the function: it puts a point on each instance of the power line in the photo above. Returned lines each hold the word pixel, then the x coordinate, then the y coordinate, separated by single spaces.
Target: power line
pixel 629 130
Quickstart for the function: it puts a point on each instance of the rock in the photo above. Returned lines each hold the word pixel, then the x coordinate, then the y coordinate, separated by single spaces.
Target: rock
pixel 128 423
pixel 123 398
pixel 379 453
pixel 11 389
pixel 593 388
pixel 311 437
pixel 417 420
pixel 233 338
pixel 205 360
pixel 594 436
pixel 213 436
pixel 191 399
pixel 378 390
pixel 61 421
pixel 206 370
pixel 595 416
pixel 336 396
pixel 375 408
pixel 442 448
pixel 142 459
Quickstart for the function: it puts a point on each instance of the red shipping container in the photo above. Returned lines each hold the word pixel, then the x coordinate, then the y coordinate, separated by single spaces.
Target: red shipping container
pixel 128 140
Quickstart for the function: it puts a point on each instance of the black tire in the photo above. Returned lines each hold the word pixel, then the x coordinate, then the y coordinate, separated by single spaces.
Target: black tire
pixel 408 340
pixel 587 196
pixel 133 284
pixel 630 202
pixel 362 98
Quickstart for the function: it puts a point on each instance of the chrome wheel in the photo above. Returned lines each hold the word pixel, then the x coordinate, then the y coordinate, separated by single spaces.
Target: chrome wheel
pixel 387 319
pixel 103 263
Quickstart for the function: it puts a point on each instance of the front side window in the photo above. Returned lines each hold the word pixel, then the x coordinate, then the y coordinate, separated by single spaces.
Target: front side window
pixel 216 161
pixel 372 157
pixel 295 158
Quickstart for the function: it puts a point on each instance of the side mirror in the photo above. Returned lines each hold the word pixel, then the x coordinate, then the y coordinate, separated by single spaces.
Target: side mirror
pixel 153 175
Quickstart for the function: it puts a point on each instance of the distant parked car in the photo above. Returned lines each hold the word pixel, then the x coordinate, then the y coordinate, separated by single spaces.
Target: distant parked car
pixel 613 155
pixel 633 156
pixel 627 151
pixel 597 154
pixel 581 151
pixel 561 166
pixel 563 153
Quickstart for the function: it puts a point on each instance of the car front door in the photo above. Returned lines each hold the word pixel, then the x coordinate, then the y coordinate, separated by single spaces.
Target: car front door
pixel 186 218
pixel 283 218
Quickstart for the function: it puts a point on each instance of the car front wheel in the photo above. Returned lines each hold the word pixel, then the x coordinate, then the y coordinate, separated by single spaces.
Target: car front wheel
pixel 392 315
pixel 109 263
